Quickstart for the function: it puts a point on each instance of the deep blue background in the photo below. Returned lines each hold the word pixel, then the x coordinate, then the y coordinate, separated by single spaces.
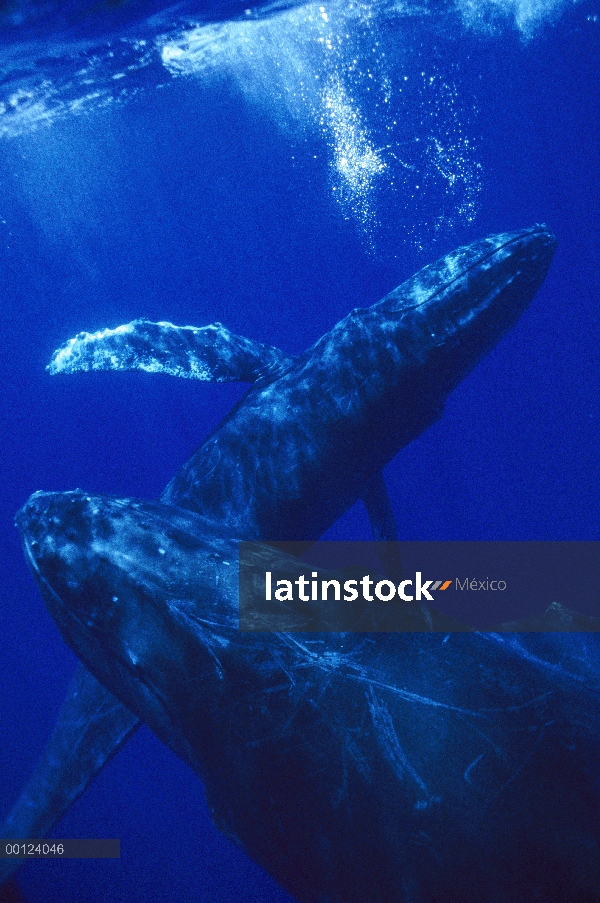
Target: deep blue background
pixel 191 204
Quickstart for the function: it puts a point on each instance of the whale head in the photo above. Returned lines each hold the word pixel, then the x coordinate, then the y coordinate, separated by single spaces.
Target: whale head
pixel 142 592
pixel 453 312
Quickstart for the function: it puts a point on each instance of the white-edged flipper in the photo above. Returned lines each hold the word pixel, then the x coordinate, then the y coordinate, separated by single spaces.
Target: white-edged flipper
pixel 209 353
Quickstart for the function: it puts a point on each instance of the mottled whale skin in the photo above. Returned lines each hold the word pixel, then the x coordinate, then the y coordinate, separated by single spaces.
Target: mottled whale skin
pixel 299 448
pixel 355 768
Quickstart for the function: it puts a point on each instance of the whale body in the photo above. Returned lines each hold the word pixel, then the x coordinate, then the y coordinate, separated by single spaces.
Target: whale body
pixel 309 438
pixel 353 767
pixel 312 434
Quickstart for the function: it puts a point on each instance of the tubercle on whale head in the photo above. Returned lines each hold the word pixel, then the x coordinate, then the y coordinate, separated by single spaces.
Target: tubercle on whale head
pixel 449 314
pixel 145 594
pixel 468 299
pixel 406 353
pixel 431 287
pixel 116 576
pixel 478 293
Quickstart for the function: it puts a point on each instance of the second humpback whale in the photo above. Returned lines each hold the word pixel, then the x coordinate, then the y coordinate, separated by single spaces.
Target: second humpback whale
pixel 355 768
pixel 297 450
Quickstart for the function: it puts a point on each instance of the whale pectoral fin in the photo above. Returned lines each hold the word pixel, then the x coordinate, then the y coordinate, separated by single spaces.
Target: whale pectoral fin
pixel 379 508
pixel 92 725
pixel 383 525
pixel 209 353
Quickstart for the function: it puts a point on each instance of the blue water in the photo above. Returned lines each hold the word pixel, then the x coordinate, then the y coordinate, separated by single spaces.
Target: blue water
pixel 272 175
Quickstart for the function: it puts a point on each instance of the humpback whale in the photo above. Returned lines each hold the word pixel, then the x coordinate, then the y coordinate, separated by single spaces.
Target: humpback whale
pixel 353 767
pixel 310 437
pixel 313 433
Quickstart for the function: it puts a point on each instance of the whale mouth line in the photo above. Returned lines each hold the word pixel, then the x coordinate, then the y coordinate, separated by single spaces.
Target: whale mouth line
pixel 534 230
pixel 68 620
pixel 31 559
pixel 57 605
